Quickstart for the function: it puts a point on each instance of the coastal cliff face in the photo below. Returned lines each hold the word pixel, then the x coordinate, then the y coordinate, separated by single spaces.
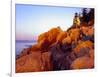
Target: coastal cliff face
pixel 60 50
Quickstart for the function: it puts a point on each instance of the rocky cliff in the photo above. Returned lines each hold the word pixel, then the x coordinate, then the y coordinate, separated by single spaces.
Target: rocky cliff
pixel 60 50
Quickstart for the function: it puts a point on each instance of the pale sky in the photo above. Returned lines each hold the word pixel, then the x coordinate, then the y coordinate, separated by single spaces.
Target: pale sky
pixel 32 20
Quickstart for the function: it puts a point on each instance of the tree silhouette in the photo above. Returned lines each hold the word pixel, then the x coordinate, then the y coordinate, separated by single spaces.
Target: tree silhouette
pixel 85 15
pixel 91 14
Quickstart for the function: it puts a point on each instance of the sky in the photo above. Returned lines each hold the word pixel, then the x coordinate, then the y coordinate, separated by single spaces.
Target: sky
pixel 32 20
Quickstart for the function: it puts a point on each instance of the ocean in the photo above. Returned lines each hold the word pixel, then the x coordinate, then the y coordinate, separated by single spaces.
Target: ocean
pixel 20 45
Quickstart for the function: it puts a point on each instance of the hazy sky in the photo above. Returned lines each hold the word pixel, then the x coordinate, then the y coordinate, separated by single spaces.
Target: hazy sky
pixel 32 20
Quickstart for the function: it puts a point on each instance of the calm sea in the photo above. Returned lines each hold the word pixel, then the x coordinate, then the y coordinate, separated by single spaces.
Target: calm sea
pixel 20 45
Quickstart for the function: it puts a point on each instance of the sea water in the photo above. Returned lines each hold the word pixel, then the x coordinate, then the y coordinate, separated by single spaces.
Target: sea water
pixel 20 45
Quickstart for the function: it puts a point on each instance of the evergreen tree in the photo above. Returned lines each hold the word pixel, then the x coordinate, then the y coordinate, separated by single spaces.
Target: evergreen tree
pixel 91 14
pixel 84 15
